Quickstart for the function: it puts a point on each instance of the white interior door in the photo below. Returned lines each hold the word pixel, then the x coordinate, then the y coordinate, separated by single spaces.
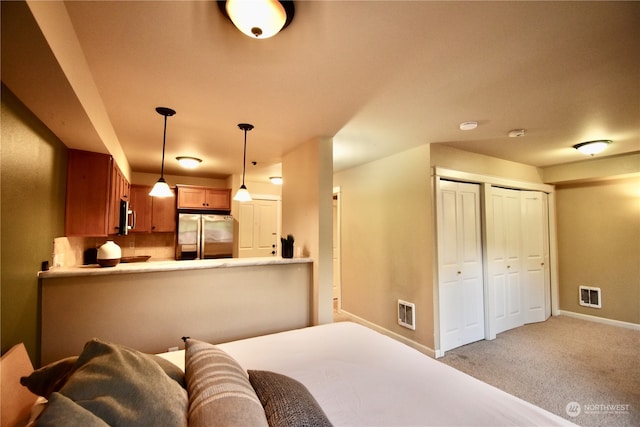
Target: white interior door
pixel 504 259
pixel 460 271
pixel 535 247
pixel 336 247
pixel 258 229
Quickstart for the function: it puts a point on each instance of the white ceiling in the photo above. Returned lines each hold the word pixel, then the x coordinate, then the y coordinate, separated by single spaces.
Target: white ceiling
pixel 379 77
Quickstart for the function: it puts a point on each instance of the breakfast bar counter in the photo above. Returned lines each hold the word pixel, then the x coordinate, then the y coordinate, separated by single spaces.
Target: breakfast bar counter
pixel 151 305
pixel 167 265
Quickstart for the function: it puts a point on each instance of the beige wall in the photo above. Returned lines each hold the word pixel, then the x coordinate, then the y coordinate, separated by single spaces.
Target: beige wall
pixel 150 311
pixel 387 241
pixel 599 245
pixel 33 179
pixel 464 161
pixel 307 214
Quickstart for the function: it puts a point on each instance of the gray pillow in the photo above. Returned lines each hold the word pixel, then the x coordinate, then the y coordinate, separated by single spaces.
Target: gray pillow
pixel 125 387
pixel 50 378
pixel 62 411
pixel 287 402
pixel 219 390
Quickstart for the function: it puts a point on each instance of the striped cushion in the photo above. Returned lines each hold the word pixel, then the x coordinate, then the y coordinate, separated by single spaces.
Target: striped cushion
pixel 219 390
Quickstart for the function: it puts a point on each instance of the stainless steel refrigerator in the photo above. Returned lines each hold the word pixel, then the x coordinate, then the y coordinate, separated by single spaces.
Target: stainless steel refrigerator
pixel 204 236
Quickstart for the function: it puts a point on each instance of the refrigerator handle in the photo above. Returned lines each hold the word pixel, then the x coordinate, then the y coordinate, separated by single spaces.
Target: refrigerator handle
pixel 199 248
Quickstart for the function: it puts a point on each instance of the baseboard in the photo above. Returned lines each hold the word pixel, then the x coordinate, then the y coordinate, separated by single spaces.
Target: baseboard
pixel 611 322
pixel 417 346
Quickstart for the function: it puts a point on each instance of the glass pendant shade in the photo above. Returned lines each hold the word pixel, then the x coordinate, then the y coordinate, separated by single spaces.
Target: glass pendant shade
pixel 161 189
pixel 591 148
pixel 257 18
pixel 242 195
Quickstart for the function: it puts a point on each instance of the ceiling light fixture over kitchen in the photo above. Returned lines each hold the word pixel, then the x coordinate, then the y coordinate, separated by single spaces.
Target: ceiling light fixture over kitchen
pixel 277 180
pixel 243 194
pixel 188 162
pixel 468 125
pixel 161 188
pixel 258 19
pixel 591 148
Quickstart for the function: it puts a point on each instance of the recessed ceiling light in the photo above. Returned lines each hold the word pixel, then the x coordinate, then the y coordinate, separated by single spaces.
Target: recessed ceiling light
pixel 188 162
pixel 468 125
pixel 516 133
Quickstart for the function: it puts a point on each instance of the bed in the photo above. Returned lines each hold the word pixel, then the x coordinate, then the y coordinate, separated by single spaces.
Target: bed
pixel 340 374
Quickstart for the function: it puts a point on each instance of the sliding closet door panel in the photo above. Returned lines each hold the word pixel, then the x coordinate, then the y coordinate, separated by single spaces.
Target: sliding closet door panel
pixel 460 268
pixel 471 258
pixel 503 247
pixel 535 254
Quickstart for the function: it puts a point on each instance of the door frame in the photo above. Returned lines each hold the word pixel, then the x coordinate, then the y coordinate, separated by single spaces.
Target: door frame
pixel 485 182
pixel 337 274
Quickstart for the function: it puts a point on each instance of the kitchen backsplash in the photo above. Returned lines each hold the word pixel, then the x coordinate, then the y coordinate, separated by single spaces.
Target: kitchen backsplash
pixel 69 251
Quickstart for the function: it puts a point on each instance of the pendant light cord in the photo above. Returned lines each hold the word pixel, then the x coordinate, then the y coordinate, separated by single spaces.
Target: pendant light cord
pixel 244 158
pixel 164 142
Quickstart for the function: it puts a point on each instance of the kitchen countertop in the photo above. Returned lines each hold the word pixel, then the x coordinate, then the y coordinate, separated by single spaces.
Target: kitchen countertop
pixel 170 265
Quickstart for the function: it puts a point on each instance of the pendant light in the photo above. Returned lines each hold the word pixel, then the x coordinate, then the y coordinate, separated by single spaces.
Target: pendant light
pixel 243 194
pixel 161 188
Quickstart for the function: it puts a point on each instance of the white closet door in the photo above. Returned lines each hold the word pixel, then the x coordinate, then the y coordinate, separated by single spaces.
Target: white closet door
pixel 535 255
pixel 504 259
pixel 461 290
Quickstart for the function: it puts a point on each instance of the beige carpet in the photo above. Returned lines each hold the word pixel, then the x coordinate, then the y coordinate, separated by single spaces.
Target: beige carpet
pixel 593 369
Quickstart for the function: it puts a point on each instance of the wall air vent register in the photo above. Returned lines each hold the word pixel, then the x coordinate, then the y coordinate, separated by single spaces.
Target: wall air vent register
pixel 407 314
pixel 590 297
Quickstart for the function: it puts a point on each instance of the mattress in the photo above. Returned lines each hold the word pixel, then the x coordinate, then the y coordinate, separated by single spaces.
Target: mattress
pixel 363 378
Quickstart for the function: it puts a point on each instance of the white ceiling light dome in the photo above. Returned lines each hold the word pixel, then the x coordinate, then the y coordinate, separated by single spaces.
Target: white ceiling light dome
pixel 591 148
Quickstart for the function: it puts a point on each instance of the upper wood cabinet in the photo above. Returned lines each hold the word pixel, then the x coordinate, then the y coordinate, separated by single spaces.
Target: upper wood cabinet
pixel 95 187
pixel 152 214
pixel 192 197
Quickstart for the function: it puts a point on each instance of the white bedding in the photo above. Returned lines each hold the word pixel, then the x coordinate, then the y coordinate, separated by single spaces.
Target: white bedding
pixel 363 378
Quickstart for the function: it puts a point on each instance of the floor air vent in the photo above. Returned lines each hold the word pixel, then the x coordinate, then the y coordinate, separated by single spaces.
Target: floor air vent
pixel 407 314
pixel 590 297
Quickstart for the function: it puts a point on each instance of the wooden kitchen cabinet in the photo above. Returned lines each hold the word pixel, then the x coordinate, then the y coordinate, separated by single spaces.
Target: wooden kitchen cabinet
pixel 95 187
pixel 192 197
pixel 152 214
pixel 163 214
pixel 120 189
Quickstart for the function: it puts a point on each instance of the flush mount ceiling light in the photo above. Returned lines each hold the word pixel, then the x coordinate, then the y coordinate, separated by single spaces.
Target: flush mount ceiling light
pixel 277 180
pixel 188 162
pixel 591 148
pixel 258 19
pixel 468 125
pixel 243 194
pixel 161 188
pixel 516 133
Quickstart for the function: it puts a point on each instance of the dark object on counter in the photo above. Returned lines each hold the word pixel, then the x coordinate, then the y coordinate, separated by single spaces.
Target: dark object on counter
pixel 44 266
pixel 90 256
pixel 287 246
pixel 140 258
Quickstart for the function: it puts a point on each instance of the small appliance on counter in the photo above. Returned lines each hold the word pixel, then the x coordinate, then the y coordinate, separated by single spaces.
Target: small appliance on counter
pixel 109 254
pixel 204 236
